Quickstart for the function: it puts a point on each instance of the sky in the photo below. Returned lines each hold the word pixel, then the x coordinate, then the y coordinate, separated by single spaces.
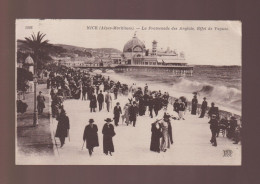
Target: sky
pixel 203 42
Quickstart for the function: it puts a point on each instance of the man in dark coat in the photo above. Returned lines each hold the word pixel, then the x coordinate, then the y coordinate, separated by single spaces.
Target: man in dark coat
pixel 100 99
pixel 108 133
pixel 63 127
pixel 117 112
pixel 93 103
pixel 156 135
pixel 90 136
pixel 157 105
pixel 204 106
pixel 40 103
pixel 213 110
pixel 133 112
pixel 151 105
pixel 194 104
pixel 214 129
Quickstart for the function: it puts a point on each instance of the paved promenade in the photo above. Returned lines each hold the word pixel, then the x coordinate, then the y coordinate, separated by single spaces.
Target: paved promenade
pixel 34 140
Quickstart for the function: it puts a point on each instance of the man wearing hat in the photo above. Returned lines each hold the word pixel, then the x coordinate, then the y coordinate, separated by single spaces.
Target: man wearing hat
pixel 90 136
pixel 214 129
pixel 213 110
pixel 108 133
pixel 204 106
pixel 40 103
pixel 63 127
pixel 117 112
pixel 100 99
pixel 133 111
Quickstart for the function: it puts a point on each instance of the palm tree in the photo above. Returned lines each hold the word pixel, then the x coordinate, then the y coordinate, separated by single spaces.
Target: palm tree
pixel 38 46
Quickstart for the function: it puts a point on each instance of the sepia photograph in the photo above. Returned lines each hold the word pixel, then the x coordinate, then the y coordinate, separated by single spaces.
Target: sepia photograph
pixel 128 92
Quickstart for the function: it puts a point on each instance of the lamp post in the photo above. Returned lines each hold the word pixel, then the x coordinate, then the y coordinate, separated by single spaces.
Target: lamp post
pixel 35 112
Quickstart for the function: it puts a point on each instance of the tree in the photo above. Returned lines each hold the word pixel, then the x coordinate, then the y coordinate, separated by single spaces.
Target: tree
pixel 39 47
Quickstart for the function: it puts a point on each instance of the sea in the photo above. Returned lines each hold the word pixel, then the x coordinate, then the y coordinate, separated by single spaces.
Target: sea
pixel 219 84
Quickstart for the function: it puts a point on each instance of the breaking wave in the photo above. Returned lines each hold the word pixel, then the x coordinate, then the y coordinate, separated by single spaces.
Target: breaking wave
pixel 222 95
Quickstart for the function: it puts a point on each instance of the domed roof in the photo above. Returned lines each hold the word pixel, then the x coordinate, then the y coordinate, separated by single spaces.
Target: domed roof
pixel 29 60
pixel 133 43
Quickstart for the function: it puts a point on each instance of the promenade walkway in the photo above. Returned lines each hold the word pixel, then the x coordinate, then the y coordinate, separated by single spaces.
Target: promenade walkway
pixel 30 140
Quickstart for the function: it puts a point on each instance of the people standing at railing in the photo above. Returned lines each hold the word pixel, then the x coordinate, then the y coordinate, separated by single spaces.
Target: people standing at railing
pixel 204 107
pixel 194 104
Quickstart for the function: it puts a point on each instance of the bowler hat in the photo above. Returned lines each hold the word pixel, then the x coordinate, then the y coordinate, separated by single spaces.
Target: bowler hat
pixel 91 120
pixel 108 120
pixel 204 98
pixel 40 92
pixel 117 103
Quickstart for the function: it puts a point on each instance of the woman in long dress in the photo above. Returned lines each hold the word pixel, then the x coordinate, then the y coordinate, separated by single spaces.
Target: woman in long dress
pixel 108 134
pixel 166 133
pixel 156 135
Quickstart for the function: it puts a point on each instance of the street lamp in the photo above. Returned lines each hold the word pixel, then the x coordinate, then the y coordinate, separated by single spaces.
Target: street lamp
pixel 35 112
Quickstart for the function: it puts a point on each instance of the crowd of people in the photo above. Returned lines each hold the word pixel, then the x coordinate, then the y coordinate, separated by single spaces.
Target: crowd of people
pixel 67 83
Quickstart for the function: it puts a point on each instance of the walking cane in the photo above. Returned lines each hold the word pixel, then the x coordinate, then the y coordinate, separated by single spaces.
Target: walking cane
pixel 69 135
pixel 83 145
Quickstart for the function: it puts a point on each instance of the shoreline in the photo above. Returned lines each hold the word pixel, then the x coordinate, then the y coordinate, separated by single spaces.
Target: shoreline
pixel 222 110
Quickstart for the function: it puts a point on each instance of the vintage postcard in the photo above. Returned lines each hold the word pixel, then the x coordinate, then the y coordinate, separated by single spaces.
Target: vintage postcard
pixel 128 92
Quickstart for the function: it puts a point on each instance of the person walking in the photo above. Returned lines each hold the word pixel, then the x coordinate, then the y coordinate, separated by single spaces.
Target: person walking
pixel 133 112
pixel 194 104
pixel 166 133
pixel 90 136
pixel 156 135
pixel 214 129
pixel 108 100
pixel 93 103
pixel 117 112
pixel 181 109
pixel 100 99
pixel 108 134
pixel 204 106
pixel 40 103
pixel 84 92
pixel 151 105
pixel 63 127
pixel 125 116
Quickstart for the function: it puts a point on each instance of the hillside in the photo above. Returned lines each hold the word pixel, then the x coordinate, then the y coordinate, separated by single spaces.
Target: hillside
pixel 69 50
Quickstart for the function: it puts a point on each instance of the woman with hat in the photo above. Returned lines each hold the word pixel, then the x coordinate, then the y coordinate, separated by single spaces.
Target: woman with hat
pixel 90 136
pixel 166 133
pixel 62 127
pixel 117 112
pixel 156 135
pixel 108 133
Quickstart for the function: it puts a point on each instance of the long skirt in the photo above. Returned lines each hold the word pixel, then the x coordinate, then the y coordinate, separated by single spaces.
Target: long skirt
pixel 165 142
pixel 108 144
